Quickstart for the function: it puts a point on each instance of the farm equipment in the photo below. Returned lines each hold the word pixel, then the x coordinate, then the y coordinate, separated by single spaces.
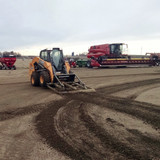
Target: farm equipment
pixel 72 63
pixel 7 62
pixel 115 55
pixel 155 57
pixel 50 70
pixel 81 62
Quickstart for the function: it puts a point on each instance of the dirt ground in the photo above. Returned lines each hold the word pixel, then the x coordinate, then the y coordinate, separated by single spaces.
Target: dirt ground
pixel 121 120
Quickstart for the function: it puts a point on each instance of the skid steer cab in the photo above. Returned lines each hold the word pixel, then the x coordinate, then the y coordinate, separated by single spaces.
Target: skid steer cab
pixel 50 70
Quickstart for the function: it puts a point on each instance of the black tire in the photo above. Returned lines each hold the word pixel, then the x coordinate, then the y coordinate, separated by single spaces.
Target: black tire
pixel 35 79
pixel 0 67
pixel 14 67
pixel 157 63
pixel 44 78
pixel 89 64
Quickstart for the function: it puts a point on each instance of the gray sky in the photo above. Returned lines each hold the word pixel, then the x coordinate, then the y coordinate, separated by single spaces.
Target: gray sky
pixel 31 25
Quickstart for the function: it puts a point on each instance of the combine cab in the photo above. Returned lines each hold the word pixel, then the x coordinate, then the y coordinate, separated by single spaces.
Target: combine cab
pixel 50 70
pixel 7 62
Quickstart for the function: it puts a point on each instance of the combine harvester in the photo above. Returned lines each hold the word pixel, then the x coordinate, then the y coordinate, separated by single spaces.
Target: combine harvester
pixel 7 62
pixel 50 70
pixel 109 55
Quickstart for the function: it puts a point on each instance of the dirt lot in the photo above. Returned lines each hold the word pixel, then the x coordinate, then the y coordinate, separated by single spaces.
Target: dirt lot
pixel 121 120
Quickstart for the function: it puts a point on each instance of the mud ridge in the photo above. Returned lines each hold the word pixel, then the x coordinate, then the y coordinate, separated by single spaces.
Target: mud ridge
pixel 45 127
pixel 148 142
pixel 146 106
pixel 108 140
pixel 120 87
pixel 124 75
pixel 134 96
pixel 137 109
pixel 147 112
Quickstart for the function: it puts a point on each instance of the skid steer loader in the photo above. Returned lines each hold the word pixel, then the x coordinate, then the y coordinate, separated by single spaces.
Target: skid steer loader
pixel 50 70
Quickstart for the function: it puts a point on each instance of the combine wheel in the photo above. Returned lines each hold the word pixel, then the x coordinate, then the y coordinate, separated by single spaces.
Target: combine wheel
pixel 44 78
pixel 35 79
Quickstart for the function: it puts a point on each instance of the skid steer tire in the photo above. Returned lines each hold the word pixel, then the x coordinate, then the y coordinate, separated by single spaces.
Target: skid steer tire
pixel 35 79
pixel 44 78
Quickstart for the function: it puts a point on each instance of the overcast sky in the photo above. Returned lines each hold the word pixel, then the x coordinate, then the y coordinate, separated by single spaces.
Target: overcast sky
pixel 28 26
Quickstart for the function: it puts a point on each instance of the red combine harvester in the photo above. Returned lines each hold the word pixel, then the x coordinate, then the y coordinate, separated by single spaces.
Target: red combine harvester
pixel 115 54
pixel 7 62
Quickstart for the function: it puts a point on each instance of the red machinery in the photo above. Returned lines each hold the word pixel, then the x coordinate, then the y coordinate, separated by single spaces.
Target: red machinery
pixel 72 63
pixel 115 55
pixel 7 62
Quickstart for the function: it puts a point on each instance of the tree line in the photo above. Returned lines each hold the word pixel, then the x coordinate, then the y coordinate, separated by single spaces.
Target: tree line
pixel 6 53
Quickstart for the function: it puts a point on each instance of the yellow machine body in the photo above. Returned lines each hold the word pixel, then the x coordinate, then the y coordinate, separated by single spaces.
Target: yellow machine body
pixel 47 65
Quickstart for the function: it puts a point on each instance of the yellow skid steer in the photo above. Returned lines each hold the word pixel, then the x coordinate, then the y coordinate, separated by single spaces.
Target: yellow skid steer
pixel 50 70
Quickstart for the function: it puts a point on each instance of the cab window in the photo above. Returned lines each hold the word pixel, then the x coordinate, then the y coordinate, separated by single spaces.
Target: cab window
pixel 44 55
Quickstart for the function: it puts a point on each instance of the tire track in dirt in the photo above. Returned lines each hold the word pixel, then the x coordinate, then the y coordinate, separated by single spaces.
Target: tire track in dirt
pixel 57 137
pixel 134 108
pixel 62 143
pixel 135 95
pixel 144 105
pixel 119 126
pixel 22 111
pixel 120 87
pixel 148 142
pixel 109 140
pixel 46 128
pixel 46 124
pixel 120 75
pixel 70 128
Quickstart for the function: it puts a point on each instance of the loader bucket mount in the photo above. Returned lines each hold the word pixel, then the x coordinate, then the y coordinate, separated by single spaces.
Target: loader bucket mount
pixel 68 83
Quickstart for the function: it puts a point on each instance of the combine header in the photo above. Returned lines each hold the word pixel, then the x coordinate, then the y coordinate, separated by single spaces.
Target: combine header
pixel 50 70
pixel 7 62
pixel 115 55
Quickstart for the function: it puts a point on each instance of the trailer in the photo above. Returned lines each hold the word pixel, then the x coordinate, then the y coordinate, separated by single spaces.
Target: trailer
pixel 7 62
pixel 115 54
